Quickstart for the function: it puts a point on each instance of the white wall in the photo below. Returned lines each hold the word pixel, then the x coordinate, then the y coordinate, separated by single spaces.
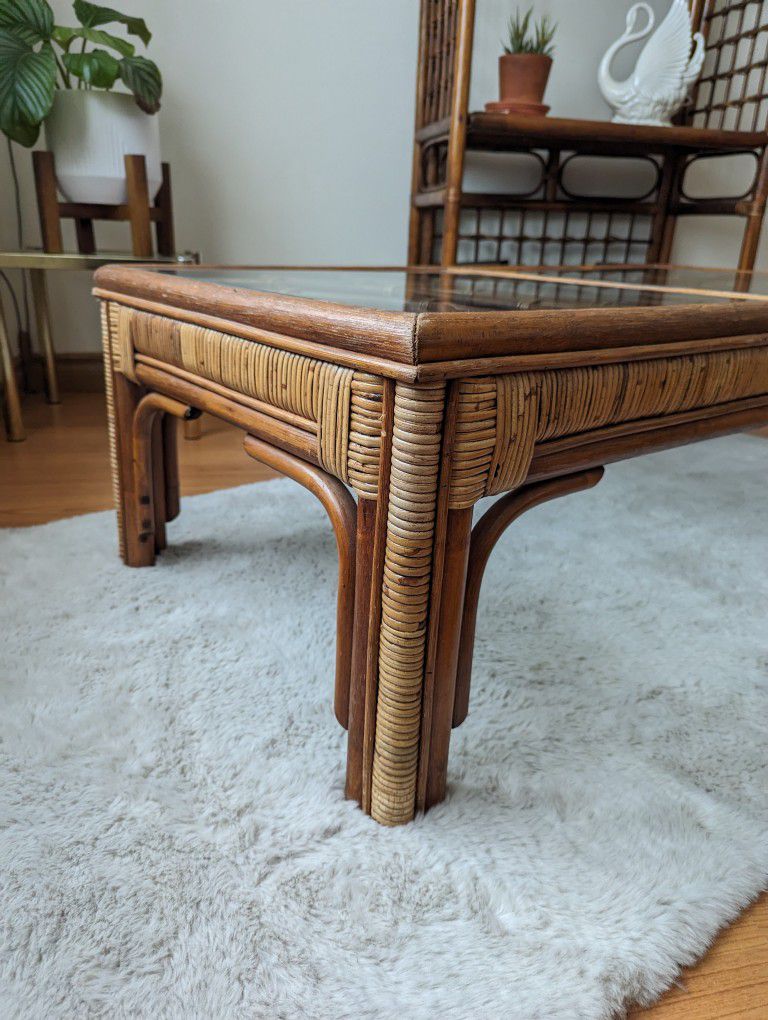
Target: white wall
pixel 288 126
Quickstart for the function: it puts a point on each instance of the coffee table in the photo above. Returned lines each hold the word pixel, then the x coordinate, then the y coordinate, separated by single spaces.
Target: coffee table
pixel 401 398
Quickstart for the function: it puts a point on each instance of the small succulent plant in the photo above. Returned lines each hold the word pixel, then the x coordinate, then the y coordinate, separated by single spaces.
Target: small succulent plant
pixel 523 37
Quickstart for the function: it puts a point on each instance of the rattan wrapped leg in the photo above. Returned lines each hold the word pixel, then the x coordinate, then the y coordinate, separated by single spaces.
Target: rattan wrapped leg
pixel 422 578
pixel 123 397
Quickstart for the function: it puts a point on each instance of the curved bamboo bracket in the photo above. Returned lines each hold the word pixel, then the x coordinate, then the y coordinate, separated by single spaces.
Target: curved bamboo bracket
pixel 158 403
pixel 340 506
pixel 156 469
pixel 485 534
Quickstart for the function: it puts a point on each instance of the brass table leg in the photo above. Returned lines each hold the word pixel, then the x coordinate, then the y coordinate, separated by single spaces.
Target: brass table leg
pixel 43 320
pixel 12 405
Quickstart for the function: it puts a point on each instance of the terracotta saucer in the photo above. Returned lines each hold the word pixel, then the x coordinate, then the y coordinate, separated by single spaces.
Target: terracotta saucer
pixel 526 109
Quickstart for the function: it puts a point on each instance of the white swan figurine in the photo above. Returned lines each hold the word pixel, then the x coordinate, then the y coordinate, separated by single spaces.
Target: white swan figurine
pixel 665 69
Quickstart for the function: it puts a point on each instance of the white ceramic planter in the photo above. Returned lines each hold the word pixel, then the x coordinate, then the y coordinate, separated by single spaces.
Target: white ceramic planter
pixel 89 133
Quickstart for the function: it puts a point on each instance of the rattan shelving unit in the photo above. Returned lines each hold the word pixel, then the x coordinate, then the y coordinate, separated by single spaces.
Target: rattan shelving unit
pixel 551 223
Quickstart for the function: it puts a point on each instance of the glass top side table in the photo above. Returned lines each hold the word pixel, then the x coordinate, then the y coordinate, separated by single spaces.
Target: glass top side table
pixel 400 399
pixel 37 263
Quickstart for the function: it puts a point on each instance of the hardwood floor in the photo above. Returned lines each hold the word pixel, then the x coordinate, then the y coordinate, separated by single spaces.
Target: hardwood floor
pixel 731 981
pixel 62 470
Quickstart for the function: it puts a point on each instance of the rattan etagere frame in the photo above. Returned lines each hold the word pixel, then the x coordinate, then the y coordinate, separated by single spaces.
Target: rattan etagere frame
pixel 550 222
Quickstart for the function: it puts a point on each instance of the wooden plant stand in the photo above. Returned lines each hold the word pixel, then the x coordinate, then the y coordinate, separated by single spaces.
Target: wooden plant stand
pixel 138 211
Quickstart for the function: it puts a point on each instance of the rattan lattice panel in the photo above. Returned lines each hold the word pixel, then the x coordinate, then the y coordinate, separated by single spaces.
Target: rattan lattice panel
pixel 438 29
pixel 732 93
pixel 528 237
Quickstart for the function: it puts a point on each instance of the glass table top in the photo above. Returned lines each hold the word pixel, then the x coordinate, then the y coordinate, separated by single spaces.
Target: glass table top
pixel 486 288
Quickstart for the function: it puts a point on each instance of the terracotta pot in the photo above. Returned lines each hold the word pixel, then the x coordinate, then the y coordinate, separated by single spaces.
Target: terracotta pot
pixel 523 80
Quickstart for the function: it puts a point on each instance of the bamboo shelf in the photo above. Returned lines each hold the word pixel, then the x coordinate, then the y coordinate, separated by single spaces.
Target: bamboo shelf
pixel 506 132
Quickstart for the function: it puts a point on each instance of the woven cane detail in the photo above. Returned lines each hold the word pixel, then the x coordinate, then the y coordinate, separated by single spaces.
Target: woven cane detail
pixel 580 399
pixel 364 451
pixel 517 411
pixel 416 446
pixel 122 353
pixel 344 405
pixel 501 419
pixel 334 397
pixel 475 441
pixel 109 329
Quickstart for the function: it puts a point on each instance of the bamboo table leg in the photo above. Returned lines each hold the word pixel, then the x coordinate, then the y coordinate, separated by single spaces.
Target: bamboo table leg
pixel 12 403
pixel 415 553
pixel 26 359
pixel 43 320
pixel 367 510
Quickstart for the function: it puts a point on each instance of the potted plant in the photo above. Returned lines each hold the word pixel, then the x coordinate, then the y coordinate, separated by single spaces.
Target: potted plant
pixel 65 77
pixel 525 65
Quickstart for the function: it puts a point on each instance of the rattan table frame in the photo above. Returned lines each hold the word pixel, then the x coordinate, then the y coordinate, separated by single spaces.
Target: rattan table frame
pixel 400 423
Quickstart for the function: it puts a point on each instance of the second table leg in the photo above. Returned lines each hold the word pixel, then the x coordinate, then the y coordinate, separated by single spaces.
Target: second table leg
pixel 14 421
pixel 43 320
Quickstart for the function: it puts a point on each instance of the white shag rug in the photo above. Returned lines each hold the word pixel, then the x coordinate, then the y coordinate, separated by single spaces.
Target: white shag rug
pixel 174 842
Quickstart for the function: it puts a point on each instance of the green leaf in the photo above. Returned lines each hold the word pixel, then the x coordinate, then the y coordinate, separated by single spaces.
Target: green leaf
pixel 64 37
pixel 97 68
pixel 27 85
pixel 91 16
pixel 143 78
pixel 24 134
pixel 31 20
